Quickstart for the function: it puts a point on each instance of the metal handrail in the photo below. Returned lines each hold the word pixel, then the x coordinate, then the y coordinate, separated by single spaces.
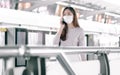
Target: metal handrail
pixel 52 50
pixel 60 53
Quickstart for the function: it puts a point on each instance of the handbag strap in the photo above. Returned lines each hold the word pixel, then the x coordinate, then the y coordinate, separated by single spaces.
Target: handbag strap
pixel 59 42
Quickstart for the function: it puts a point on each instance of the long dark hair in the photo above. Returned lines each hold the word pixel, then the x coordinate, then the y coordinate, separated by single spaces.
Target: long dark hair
pixel 75 23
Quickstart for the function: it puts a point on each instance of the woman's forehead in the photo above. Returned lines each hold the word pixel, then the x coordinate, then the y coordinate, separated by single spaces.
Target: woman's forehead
pixel 67 11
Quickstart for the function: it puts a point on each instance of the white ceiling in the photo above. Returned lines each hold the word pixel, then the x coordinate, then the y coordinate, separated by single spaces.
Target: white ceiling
pixel 99 6
pixel 107 4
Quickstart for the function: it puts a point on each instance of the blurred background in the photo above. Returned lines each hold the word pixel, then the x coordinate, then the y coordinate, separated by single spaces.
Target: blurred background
pixel 99 18
pixel 35 22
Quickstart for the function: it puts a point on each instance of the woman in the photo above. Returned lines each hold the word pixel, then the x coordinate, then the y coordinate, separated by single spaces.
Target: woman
pixel 70 33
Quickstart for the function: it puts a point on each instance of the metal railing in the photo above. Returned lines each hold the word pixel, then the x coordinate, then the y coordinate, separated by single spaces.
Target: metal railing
pixel 60 53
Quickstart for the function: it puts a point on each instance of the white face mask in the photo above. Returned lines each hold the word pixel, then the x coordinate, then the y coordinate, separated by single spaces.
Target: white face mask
pixel 68 19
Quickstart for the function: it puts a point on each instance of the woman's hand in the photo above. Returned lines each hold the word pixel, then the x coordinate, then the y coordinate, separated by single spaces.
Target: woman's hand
pixel 62 25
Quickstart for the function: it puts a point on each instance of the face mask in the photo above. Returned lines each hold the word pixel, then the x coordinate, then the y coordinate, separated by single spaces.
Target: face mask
pixel 68 19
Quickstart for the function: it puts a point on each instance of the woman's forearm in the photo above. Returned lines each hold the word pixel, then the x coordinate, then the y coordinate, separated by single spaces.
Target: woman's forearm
pixel 57 36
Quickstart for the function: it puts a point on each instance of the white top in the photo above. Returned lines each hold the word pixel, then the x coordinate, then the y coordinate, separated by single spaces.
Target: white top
pixel 75 37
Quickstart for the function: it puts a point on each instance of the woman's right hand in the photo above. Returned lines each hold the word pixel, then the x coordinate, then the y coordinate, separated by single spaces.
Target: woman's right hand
pixel 62 25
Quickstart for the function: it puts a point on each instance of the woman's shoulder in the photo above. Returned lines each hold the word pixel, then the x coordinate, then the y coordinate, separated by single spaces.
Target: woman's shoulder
pixel 79 29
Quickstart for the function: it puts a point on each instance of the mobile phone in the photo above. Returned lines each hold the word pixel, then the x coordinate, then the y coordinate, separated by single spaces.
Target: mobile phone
pixel 63 22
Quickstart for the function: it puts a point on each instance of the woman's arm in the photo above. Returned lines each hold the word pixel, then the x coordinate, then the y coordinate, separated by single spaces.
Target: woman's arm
pixel 57 38
pixel 58 34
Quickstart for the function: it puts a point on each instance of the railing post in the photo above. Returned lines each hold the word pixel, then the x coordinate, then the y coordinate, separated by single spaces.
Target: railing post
pixel 104 64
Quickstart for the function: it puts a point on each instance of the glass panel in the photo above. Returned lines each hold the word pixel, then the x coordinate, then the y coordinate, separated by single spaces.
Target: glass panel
pixel 87 67
pixel 114 61
pixel 82 66
pixel 53 67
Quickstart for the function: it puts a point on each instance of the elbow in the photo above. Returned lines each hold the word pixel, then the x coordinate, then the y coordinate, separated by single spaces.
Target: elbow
pixel 55 43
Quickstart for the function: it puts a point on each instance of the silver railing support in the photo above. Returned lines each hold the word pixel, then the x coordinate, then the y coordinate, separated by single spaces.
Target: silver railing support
pixel 104 62
pixel 65 63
